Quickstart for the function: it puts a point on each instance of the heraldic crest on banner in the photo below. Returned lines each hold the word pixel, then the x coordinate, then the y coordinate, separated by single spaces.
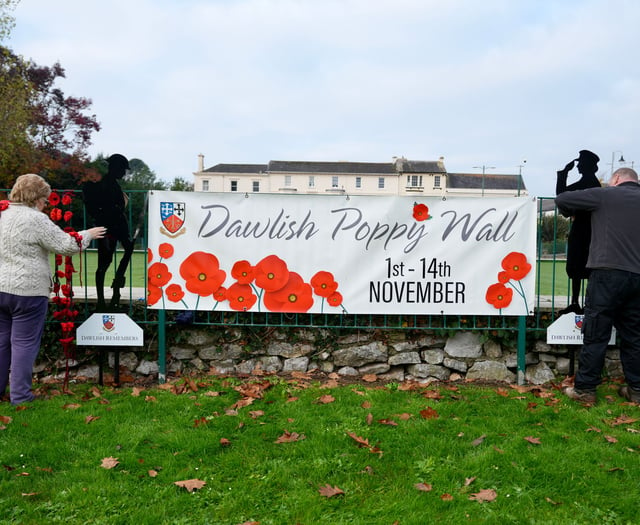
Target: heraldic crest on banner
pixel 172 215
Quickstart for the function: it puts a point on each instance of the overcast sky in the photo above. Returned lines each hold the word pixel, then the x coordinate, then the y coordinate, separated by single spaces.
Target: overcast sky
pixel 480 82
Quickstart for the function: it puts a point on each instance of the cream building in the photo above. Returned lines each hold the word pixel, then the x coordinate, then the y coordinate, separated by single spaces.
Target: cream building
pixel 399 177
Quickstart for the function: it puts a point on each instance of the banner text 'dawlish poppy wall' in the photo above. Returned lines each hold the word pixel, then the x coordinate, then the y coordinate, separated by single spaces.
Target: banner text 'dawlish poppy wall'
pixel 341 254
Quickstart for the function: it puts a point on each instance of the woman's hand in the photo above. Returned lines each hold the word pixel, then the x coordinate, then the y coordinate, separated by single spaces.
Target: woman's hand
pixel 98 232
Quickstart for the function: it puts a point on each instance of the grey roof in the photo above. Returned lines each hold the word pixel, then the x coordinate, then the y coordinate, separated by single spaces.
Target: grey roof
pixel 332 167
pixel 237 168
pixel 422 166
pixel 488 182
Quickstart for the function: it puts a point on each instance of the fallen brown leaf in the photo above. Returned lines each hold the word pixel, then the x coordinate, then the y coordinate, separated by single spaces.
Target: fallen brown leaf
pixel 469 481
pixel 533 440
pixel 484 495
pixel 290 437
pixel 390 422
pixel 5 419
pixel 190 484
pixel 71 406
pixel 91 419
pixel 446 497
pixel 109 463
pixel 478 440
pixel 329 492
pixel 424 487
pixel 432 394
pixel 325 399
pixel 429 413
pixel 370 378
pixel 611 439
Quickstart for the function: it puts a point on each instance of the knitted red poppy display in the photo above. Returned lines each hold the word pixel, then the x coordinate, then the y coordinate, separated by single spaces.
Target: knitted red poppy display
pixel 65 311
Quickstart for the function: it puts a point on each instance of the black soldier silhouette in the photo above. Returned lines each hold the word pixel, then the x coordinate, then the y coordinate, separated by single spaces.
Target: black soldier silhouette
pixel 580 230
pixel 106 204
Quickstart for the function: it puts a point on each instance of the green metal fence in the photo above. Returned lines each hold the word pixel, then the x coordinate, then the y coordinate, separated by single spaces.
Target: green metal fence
pixel 551 295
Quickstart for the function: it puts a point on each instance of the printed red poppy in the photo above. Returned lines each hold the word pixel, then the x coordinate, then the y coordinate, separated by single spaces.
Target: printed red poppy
pixel 243 272
pixel 421 212
pixel 165 250
pixel 271 273
pixel 241 297
pixel 499 295
pixel 67 216
pixel 154 294
pixel 220 294
pixel 295 296
pixel 158 274
pixel 54 198
pixel 516 265
pixel 335 299
pixel 202 274
pixel 66 199
pixel 324 284
pixel 4 204
pixel 174 293
pixel 503 277
pixel 149 255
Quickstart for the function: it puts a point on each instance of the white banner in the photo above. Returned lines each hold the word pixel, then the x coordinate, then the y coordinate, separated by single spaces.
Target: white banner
pixel 341 254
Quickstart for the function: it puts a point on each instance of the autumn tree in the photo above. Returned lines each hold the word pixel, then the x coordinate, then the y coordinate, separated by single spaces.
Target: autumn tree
pixel 42 130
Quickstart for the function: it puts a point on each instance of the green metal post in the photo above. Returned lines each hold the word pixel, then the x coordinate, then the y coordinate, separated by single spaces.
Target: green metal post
pixel 522 348
pixel 162 351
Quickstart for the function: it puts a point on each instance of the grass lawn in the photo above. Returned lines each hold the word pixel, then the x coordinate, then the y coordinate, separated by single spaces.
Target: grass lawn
pixel 136 271
pixel 309 451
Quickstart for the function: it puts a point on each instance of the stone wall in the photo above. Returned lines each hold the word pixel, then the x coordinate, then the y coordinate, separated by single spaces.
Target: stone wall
pixel 390 355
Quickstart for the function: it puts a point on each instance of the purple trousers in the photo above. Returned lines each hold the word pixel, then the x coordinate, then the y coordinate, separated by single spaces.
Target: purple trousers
pixel 21 326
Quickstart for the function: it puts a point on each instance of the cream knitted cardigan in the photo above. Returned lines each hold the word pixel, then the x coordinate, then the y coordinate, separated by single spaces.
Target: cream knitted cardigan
pixel 27 236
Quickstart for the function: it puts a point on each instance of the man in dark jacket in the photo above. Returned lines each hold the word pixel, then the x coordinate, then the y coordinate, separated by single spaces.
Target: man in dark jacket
pixel 613 291
pixel 106 204
pixel 580 232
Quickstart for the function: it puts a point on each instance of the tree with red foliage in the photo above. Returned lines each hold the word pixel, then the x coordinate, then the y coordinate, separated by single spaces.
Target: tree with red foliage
pixel 49 132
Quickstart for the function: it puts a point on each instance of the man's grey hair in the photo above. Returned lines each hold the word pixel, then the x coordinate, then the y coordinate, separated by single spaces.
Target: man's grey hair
pixel 626 174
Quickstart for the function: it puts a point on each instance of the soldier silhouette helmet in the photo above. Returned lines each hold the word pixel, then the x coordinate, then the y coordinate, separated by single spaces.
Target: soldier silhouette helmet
pixel 118 165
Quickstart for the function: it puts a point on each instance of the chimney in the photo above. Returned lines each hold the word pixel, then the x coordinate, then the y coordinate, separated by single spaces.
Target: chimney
pixel 200 163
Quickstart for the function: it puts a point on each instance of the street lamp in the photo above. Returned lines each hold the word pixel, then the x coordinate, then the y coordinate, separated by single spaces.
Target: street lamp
pixel 483 167
pixel 620 160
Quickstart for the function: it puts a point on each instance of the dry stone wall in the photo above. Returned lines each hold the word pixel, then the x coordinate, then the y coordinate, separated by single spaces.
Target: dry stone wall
pixel 393 356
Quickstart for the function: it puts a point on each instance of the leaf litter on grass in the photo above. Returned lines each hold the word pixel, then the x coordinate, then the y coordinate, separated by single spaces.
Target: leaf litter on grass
pixel 255 390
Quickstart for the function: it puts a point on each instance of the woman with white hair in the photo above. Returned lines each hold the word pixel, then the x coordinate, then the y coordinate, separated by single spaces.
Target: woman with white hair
pixel 27 237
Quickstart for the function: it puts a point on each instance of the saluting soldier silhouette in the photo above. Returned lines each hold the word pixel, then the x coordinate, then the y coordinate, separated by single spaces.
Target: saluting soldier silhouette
pixel 580 230
pixel 106 203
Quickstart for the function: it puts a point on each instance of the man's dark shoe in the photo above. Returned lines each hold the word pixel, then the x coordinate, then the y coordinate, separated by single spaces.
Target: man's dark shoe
pixel 586 398
pixel 629 394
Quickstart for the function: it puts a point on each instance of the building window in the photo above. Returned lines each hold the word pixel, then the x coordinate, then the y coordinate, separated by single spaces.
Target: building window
pixel 312 181
pixel 287 180
pixel 256 186
pixel 205 185
pixel 358 182
pixel 436 181
pixel 380 183
pixel 334 181
pixel 234 185
pixel 414 181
